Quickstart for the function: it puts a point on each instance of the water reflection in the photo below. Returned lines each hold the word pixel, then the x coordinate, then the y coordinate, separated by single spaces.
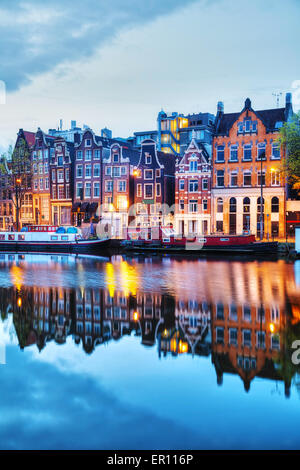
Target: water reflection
pixel 244 316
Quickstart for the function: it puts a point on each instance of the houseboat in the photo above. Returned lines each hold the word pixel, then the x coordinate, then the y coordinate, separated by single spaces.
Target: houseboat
pixel 165 240
pixel 43 239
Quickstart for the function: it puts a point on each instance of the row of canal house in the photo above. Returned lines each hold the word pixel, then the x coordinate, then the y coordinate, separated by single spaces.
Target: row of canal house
pixel 98 178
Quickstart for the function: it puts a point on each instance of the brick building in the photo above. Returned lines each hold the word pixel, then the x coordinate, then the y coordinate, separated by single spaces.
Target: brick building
pixel 193 191
pixel 41 151
pixel 61 181
pixel 118 186
pixel 154 186
pixel 246 155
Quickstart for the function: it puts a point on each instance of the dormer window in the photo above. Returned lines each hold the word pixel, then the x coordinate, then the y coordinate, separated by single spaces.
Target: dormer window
pixel 148 159
pixel 193 165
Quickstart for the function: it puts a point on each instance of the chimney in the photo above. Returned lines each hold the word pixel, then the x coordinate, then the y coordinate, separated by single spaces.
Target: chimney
pixel 220 107
pixel 288 106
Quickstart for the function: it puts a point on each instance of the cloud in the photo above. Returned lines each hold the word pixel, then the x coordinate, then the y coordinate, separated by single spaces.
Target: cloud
pixel 35 37
pixel 43 408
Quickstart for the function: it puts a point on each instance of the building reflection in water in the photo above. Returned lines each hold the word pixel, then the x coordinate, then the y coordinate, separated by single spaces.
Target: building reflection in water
pixel 246 327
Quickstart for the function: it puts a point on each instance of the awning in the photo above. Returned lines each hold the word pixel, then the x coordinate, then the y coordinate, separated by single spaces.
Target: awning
pixel 93 206
pixel 85 206
pixel 75 206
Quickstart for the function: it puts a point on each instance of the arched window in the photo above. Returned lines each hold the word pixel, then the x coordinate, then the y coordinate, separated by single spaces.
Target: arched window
pixel 246 204
pixel 232 205
pixel 232 216
pixel 246 213
pixel 275 204
pixel 219 204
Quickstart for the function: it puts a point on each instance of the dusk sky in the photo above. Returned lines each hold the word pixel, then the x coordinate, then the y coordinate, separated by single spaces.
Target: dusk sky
pixel 117 63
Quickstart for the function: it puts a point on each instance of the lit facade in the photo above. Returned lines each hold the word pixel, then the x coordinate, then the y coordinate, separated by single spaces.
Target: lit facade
pixel 193 191
pixel 168 126
pixel 246 155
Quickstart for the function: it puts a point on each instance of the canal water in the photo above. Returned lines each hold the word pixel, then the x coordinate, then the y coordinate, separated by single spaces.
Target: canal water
pixel 148 353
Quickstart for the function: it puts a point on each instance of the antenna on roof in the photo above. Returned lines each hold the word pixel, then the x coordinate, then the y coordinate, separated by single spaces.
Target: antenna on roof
pixel 277 96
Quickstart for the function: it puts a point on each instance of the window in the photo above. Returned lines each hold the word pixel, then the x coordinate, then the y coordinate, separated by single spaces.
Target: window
pixel 46 183
pixel 88 171
pixel 233 153
pixel 96 189
pixel 275 204
pixel 193 206
pixel 108 170
pixel 79 190
pixel 88 154
pixel 247 125
pixel 261 151
pixel 108 186
pixel 204 204
pixel 148 191
pixel 247 337
pixel 181 185
pixel 193 186
pixel 261 180
pixel 122 186
pixel 87 191
pixel 193 165
pixel 275 178
pixel 247 178
pixel 123 170
pixel 232 205
pixel 116 171
pixel 61 192
pixel 41 169
pixel 220 312
pixel 87 142
pixel 247 152
pixel 233 336
pixel 46 168
pixel 220 153
pixel 79 155
pixel 97 155
pixel 275 151
pixel 148 159
pixel 60 176
pixel 260 339
pixel 220 335
pixel 97 169
pixel 115 157
pixel 41 183
pixel 233 312
pixel 247 313
pixel 219 205
pixel 148 174
pixel 233 179
pixel 181 205
pixel 220 178
pixel 204 184
pixel 79 171
pixel 60 160
pixel 158 189
pixel 157 173
pixel 139 190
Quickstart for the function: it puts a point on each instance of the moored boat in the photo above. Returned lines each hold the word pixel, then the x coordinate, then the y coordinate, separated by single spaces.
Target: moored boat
pixel 161 239
pixel 62 240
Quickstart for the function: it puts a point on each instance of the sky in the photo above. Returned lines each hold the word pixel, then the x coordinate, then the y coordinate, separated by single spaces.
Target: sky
pixel 118 63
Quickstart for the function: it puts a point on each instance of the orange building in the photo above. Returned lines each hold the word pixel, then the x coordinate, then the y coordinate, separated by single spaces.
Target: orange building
pixel 246 160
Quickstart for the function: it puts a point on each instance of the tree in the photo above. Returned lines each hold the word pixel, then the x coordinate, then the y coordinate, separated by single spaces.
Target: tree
pixel 289 139
pixel 16 175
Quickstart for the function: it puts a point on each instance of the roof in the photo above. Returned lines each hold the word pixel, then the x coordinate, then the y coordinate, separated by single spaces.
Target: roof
pixel 269 117
pixel 29 137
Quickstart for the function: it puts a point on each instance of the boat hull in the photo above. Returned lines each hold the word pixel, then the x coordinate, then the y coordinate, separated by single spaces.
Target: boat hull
pixel 92 247
pixel 256 248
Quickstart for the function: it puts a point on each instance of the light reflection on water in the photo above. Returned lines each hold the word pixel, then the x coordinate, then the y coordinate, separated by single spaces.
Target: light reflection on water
pixel 218 326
